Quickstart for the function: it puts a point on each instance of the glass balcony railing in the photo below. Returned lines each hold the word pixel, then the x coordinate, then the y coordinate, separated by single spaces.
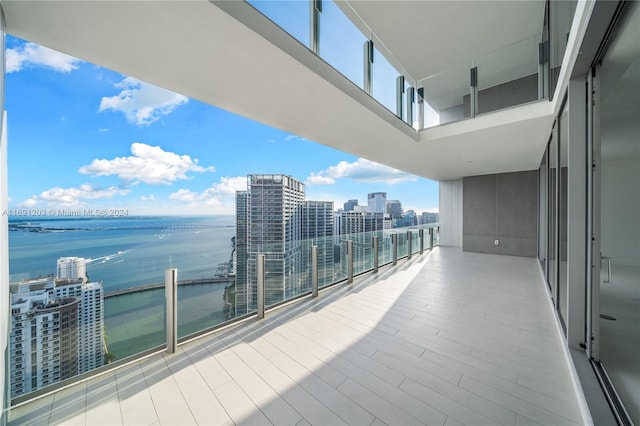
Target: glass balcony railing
pixel 516 74
pixel 136 311
pixel 511 76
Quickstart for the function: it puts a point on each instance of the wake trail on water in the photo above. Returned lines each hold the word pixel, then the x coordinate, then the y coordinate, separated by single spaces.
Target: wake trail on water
pixel 104 259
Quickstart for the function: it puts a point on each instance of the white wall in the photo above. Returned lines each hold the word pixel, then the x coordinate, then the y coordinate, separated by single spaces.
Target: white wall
pixel 4 239
pixel 451 213
pixel 621 210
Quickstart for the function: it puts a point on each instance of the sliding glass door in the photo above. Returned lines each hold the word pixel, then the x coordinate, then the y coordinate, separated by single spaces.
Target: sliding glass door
pixel 616 217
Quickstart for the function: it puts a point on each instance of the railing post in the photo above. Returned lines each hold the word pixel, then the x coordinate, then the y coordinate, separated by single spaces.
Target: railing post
pixel 368 67
pixel 399 95
pixel 409 248
pixel 394 243
pixel 350 261
pixel 376 260
pixel 316 10
pixel 314 271
pixel 430 237
pixel 420 108
pixel 541 63
pixel 421 236
pixel 473 98
pixel 543 69
pixel 171 298
pixel 410 102
pixel 260 276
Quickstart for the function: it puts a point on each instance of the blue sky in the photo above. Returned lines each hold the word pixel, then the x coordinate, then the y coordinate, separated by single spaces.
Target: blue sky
pixel 84 137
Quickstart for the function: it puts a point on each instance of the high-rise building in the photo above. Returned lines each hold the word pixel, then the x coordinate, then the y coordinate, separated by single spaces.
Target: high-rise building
pixel 275 231
pixel 241 253
pixel 428 217
pixel 317 230
pixel 359 227
pixel 272 218
pixel 90 319
pixel 44 336
pixel 409 218
pixel 377 202
pixel 349 205
pixel 57 324
pixel 394 208
pixel 72 268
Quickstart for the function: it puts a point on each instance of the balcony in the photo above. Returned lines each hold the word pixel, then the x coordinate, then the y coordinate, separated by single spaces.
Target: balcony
pixel 447 337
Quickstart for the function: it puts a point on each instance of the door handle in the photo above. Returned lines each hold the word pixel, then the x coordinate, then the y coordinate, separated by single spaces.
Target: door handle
pixel 608 260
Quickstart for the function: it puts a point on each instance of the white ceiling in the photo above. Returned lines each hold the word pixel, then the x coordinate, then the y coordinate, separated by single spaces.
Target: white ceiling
pixel 427 37
pixel 228 55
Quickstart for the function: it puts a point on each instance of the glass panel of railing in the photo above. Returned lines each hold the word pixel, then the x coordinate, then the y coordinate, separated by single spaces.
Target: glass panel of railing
pixel 403 245
pixel 287 272
pixel 415 241
pixel 362 250
pixel 291 16
pixel 367 264
pixel 342 259
pixel 328 267
pixel 384 81
pixel 208 293
pixel 341 43
pixel 427 238
pixel 386 245
pixel 561 15
pixel 508 76
pixel 447 96
pixel 84 292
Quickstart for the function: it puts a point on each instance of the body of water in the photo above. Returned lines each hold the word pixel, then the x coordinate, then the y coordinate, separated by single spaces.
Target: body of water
pixel 129 252
pixel 122 252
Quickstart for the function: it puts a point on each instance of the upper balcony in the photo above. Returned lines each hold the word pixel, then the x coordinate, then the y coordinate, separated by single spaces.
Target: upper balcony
pixel 372 102
pixel 447 337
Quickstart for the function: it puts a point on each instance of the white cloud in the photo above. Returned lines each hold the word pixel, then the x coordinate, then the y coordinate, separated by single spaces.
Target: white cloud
pixel 221 194
pixel 73 196
pixel 360 170
pixel 148 164
pixel 148 198
pixel 142 103
pixel 31 55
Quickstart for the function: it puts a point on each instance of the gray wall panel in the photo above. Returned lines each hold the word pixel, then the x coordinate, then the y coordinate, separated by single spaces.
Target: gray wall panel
pixel 501 207
pixel 479 203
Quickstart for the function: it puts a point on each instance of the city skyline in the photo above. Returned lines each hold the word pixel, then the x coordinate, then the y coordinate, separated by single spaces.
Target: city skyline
pixel 153 152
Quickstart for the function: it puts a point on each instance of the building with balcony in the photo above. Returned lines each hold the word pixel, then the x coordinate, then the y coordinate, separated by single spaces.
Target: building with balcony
pixel 43 339
pixel 525 112
pixel 57 330
pixel 91 347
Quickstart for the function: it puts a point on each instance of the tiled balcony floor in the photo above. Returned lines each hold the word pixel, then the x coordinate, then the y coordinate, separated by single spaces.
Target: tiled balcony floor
pixel 447 338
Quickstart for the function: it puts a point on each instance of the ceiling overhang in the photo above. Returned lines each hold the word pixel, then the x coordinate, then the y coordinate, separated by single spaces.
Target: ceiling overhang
pixel 228 55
